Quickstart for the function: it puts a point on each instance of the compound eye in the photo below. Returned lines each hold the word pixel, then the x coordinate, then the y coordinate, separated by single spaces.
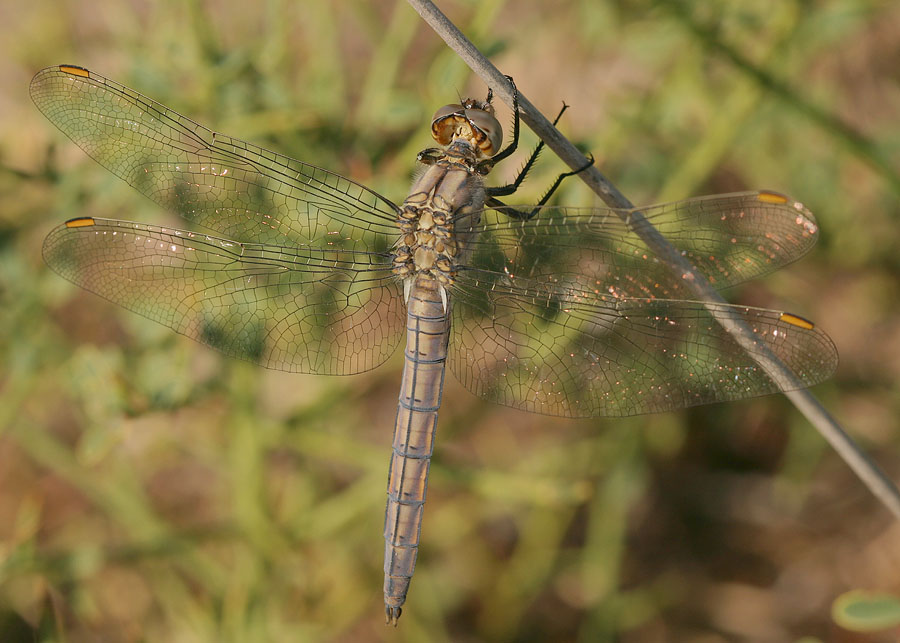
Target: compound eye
pixel 444 123
pixel 473 121
pixel 447 110
pixel 489 127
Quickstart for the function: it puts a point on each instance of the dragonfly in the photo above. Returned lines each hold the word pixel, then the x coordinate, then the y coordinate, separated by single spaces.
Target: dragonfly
pixel 549 309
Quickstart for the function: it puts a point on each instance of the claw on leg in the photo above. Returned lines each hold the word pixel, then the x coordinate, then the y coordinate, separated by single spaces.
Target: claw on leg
pixel 443 297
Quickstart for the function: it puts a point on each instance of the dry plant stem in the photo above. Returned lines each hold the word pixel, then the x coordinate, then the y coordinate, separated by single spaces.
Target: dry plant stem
pixel 877 482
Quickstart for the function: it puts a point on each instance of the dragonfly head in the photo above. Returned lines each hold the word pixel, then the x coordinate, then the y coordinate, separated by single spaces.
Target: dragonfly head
pixel 473 121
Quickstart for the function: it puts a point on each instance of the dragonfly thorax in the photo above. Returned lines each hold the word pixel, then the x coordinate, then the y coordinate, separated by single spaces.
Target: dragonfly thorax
pixel 438 217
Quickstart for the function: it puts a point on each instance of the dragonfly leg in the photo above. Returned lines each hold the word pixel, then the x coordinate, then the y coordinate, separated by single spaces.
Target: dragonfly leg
pixel 509 188
pixel 514 143
pixel 522 215
pixel 430 156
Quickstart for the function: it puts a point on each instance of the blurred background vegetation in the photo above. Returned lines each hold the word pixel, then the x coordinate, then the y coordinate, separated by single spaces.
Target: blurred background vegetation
pixel 152 490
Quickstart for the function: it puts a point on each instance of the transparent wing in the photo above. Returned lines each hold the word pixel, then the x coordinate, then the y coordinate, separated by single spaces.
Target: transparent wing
pixel 558 351
pixel 300 281
pixel 729 238
pixel 308 310
pixel 569 313
pixel 230 187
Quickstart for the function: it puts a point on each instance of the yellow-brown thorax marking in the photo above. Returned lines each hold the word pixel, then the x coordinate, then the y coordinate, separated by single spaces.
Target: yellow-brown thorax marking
pixel 445 199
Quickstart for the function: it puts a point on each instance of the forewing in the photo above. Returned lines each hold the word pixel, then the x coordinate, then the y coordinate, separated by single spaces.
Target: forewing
pixel 307 310
pixel 729 238
pixel 225 185
pixel 560 350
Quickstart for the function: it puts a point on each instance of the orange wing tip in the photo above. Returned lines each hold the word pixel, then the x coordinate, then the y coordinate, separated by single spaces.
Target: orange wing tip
pixel 767 196
pixel 72 70
pixel 81 222
pixel 796 320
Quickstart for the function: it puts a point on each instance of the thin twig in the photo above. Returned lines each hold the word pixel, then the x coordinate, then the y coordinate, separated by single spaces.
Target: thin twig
pixel 877 482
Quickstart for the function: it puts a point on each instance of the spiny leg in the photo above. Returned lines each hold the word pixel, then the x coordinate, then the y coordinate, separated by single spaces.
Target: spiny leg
pixel 514 143
pixel 509 188
pixel 519 214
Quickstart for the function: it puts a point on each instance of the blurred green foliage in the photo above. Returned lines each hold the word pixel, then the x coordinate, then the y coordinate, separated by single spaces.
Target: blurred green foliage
pixel 152 490
pixel 860 611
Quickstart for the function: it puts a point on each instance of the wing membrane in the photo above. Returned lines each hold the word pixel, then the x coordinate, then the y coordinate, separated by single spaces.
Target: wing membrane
pixel 729 238
pixel 567 313
pixel 304 310
pixel 225 185
pixel 562 351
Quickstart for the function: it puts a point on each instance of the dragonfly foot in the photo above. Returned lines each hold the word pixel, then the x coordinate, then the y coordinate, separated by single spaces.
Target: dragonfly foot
pixel 443 292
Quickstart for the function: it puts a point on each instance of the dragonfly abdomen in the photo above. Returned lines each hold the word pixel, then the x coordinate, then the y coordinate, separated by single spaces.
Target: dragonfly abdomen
pixel 417 410
pixel 438 221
